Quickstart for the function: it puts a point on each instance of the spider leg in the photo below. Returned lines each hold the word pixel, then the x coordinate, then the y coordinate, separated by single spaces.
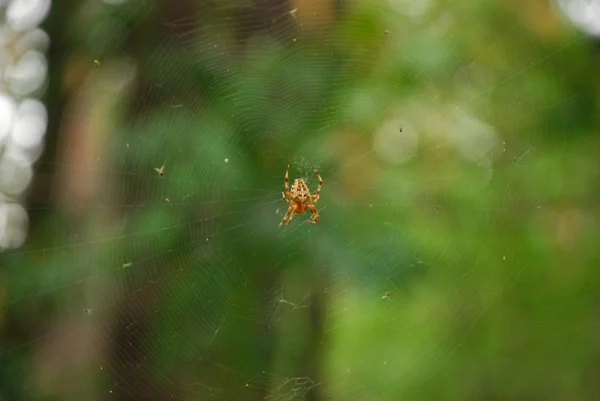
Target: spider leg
pixel 291 209
pixel 291 218
pixel 315 197
pixel 286 183
pixel 289 202
pixel 314 213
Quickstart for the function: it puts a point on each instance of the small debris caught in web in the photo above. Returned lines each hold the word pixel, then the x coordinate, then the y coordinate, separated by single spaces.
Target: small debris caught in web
pixel 386 295
pixel 161 170
pixel 97 62
pixel 226 160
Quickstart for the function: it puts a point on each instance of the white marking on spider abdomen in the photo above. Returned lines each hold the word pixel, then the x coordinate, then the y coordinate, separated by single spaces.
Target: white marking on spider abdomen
pixel 300 190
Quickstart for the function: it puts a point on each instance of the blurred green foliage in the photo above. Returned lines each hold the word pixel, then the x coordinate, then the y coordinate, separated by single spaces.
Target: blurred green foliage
pixel 441 278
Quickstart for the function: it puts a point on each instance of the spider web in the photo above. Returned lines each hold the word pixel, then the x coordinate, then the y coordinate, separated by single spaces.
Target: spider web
pixel 445 136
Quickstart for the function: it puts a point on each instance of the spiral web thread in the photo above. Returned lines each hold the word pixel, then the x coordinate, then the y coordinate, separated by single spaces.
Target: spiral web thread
pixel 149 295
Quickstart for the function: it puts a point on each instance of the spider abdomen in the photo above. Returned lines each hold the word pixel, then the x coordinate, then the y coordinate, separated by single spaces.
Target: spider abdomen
pixel 300 191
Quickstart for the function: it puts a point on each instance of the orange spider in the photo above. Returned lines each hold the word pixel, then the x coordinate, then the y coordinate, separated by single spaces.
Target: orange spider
pixel 300 199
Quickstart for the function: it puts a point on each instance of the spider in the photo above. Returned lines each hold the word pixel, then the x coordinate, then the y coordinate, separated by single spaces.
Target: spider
pixel 300 199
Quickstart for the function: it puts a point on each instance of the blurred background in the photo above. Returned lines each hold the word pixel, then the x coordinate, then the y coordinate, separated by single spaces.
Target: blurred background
pixel 143 146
